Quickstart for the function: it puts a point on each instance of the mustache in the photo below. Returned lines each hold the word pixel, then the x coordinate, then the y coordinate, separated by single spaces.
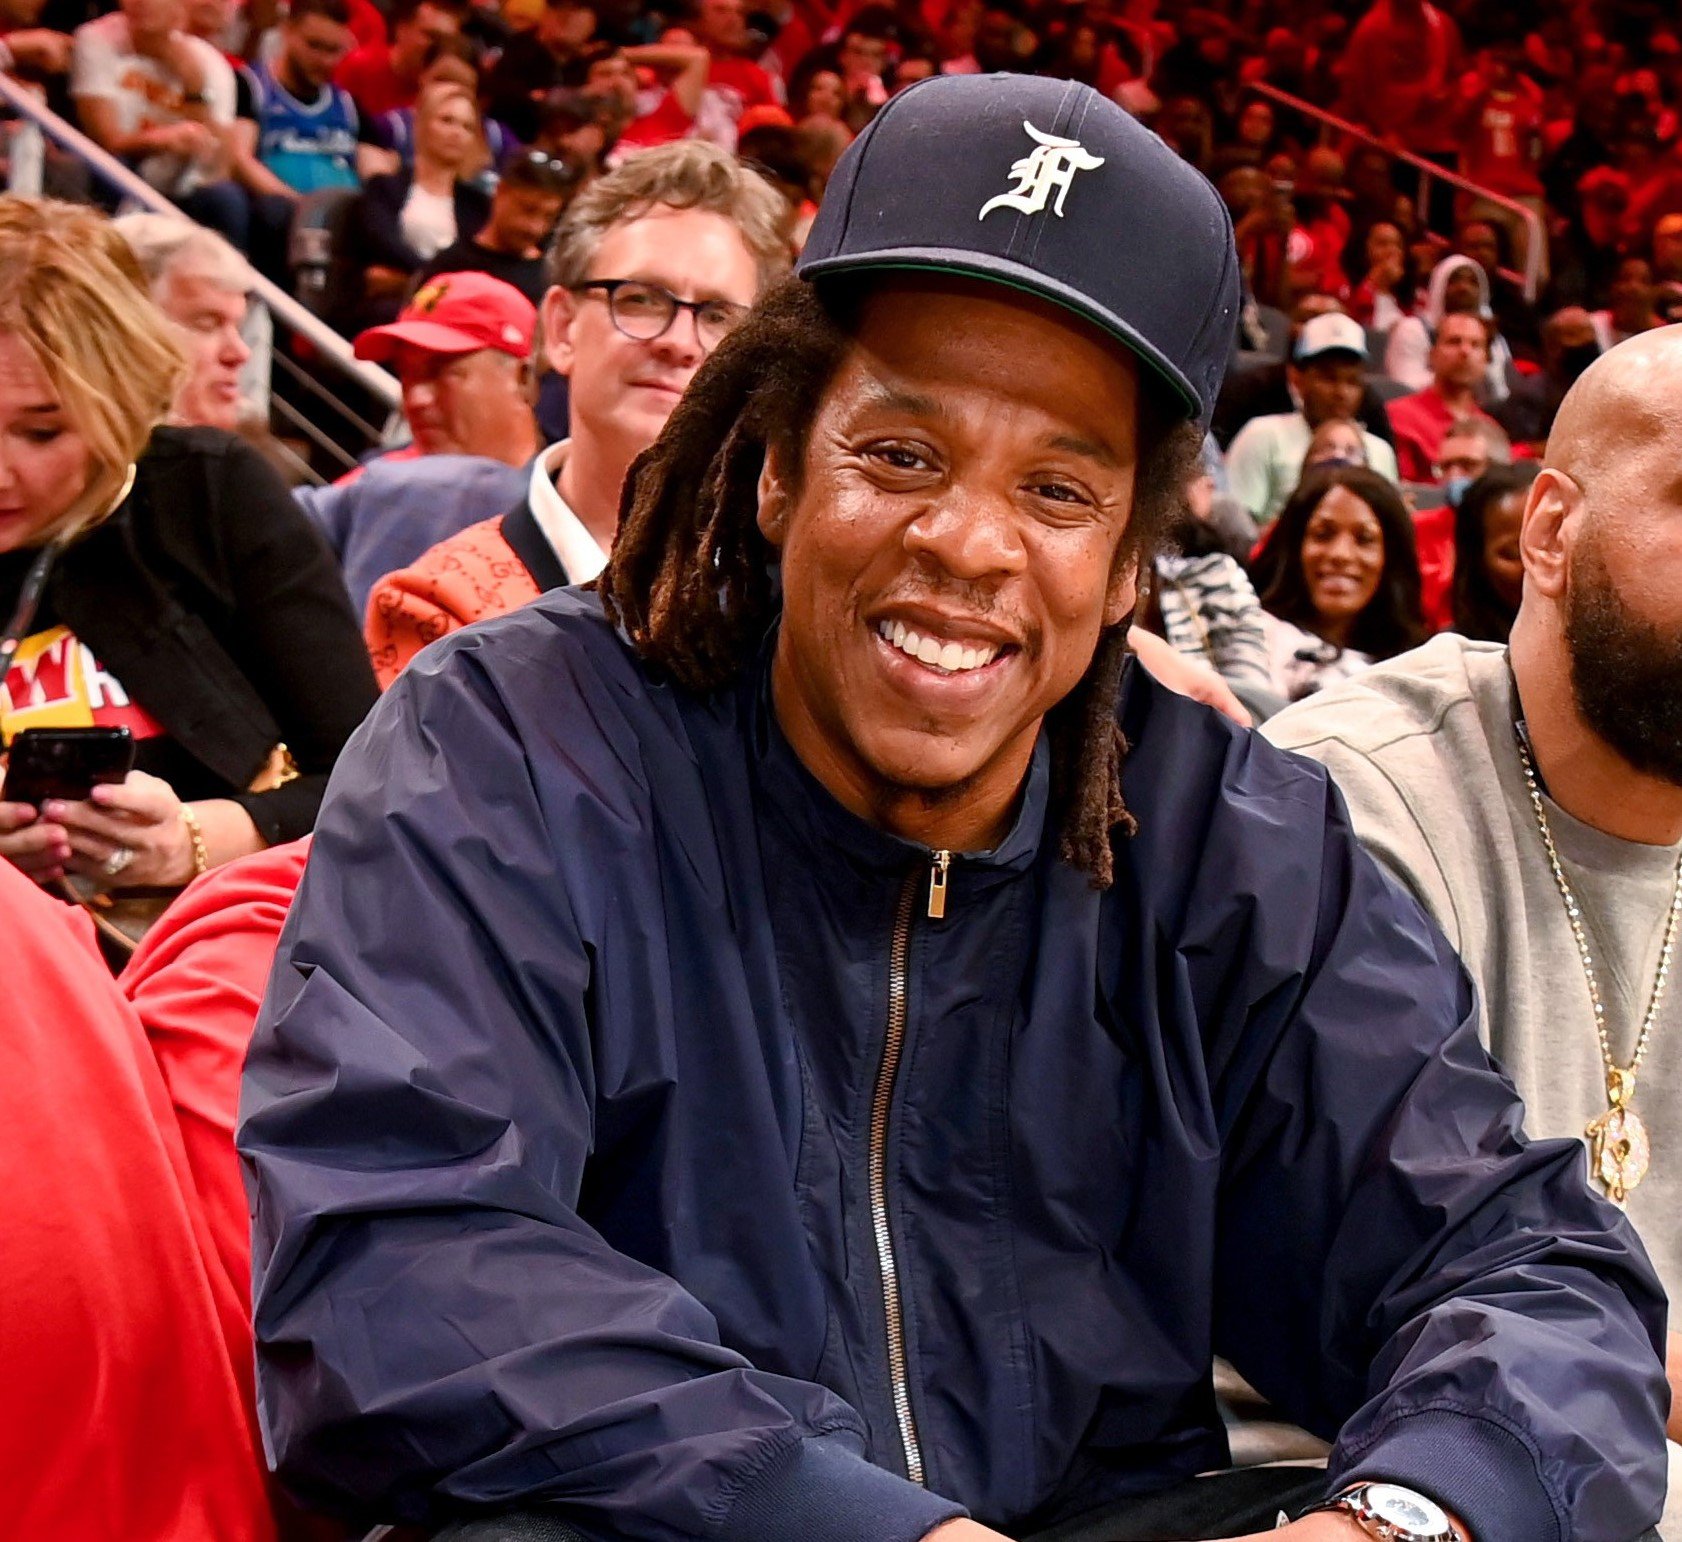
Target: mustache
pixel 980 602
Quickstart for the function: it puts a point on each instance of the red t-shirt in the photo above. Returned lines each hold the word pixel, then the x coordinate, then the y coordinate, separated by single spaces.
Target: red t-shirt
pixel 367 25
pixel 1503 145
pixel 196 983
pixel 56 682
pixel 1420 423
pixel 125 1350
pixel 1398 75
pixel 738 84
pixel 663 123
pixel 1433 535
pixel 373 84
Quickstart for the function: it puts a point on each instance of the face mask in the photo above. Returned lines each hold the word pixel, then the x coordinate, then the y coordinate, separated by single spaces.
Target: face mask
pixel 1454 489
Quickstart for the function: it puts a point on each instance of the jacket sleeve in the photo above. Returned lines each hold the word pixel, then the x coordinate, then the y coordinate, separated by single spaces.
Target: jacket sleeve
pixel 1461 1310
pixel 331 510
pixel 375 233
pixel 405 613
pixel 296 639
pixel 437 1326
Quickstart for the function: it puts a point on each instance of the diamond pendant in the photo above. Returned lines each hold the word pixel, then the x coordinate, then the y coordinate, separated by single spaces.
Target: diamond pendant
pixel 1619 1151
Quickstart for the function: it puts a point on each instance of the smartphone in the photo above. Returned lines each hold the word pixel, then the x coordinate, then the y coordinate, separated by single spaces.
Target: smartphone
pixel 65 763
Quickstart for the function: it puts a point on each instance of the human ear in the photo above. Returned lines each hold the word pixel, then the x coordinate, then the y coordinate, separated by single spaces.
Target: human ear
pixel 774 501
pixel 1122 597
pixel 1546 531
pixel 556 319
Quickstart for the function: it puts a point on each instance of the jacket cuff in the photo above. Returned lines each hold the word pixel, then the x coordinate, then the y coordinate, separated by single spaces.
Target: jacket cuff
pixel 1471 1465
pixel 822 1490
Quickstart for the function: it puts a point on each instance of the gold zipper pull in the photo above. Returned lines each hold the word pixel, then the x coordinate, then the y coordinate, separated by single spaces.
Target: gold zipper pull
pixel 937 884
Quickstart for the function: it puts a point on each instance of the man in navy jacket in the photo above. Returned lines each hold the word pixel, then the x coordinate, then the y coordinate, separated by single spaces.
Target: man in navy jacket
pixel 808 1044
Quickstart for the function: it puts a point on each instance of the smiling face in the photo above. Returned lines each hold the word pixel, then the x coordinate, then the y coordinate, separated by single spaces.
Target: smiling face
pixel 1502 559
pixel 624 388
pixel 44 462
pixel 951 548
pixel 1342 561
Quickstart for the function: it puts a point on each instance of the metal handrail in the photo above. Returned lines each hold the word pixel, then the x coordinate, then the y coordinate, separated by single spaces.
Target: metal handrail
pixel 376 381
pixel 1534 247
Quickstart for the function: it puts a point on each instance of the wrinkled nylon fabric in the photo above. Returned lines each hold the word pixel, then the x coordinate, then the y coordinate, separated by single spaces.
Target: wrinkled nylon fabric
pixel 557 1117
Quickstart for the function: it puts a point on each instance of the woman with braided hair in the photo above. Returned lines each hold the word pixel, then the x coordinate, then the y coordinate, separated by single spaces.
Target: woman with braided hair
pixel 807 1042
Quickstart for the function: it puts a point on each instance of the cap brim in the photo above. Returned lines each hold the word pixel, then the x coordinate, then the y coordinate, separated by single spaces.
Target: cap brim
pixel 1026 280
pixel 378 344
pixel 1360 355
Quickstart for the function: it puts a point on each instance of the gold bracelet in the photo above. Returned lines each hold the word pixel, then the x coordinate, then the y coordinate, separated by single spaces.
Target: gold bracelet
pixel 195 833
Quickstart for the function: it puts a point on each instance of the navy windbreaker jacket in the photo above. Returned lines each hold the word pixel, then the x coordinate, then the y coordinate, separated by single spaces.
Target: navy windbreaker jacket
pixel 578 1177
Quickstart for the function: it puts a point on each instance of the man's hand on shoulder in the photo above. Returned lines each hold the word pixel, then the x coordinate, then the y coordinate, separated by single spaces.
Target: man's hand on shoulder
pixel 1185 676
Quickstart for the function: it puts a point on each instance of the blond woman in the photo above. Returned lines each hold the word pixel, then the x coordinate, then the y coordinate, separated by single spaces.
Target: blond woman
pixel 152 578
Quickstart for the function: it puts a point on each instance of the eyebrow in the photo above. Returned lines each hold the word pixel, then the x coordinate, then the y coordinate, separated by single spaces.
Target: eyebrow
pixel 43 407
pixel 1088 449
pixel 895 399
pixel 889 398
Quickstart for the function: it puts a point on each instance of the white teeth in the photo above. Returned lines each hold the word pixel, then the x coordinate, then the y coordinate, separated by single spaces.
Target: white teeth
pixel 949 658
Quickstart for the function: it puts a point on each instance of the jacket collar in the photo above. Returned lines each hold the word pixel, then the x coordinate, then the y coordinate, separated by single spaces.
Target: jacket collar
pixel 823 825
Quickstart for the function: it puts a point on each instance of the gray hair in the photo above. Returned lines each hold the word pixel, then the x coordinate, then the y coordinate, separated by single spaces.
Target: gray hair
pixel 165 243
pixel 1495 441
pixel 686 174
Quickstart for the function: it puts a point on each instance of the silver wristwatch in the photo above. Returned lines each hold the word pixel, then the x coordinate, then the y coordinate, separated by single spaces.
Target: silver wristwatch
pixel 1395 1514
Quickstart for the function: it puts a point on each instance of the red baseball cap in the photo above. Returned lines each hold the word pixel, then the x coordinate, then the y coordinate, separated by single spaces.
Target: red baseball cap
pixel 457 313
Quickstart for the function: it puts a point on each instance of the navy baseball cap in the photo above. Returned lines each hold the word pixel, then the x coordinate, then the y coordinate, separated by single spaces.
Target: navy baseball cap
pixel 1045 186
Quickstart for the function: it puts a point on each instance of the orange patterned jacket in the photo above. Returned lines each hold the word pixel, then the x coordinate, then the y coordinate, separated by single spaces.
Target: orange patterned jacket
pixel 485 570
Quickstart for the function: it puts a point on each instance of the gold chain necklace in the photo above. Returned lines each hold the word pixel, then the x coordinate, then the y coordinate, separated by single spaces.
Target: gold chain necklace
pixel 1619 1150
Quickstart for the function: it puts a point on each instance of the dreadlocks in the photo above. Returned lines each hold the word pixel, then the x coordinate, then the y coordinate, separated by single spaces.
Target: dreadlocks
pixel 690 583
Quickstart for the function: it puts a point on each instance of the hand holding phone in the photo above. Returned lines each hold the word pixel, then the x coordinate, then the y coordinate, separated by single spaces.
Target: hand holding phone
pixel 66 763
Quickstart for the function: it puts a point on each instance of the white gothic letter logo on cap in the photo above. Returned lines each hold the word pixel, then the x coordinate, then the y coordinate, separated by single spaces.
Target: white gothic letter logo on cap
pixel 1045 170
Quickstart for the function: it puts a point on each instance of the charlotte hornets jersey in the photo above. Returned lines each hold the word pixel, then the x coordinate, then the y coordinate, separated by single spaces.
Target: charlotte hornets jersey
pixel 309 147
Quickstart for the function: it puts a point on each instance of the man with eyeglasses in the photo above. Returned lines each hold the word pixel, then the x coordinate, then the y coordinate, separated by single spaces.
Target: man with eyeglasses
pixel 652 265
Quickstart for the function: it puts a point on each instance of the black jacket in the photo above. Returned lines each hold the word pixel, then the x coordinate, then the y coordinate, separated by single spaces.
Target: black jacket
pixel 374 237
pixel 611 1073
pixel 211 597
pixel 376 224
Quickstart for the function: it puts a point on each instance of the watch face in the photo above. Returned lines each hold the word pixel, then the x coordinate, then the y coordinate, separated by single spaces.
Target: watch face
pixel 1410 1513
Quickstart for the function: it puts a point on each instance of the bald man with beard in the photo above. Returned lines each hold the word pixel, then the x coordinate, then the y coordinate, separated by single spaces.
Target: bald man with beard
pixel 1531 796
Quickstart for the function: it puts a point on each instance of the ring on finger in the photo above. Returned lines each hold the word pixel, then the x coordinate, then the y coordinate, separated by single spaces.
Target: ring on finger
pixel 118 860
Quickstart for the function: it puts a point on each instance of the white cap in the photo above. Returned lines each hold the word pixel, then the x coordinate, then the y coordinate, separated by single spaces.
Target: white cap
pixel 1331 333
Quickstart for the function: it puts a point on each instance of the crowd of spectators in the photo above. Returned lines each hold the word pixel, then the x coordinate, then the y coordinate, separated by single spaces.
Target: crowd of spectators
pixel 544 215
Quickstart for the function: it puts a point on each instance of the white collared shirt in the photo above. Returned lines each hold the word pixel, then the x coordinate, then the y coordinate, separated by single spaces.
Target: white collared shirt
pixel 580 553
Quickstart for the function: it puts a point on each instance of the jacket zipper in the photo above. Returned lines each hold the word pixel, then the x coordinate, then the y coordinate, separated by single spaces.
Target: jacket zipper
pixel 899 967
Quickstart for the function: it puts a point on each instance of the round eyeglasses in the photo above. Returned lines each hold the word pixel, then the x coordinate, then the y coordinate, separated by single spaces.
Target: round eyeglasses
pixel 646 311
